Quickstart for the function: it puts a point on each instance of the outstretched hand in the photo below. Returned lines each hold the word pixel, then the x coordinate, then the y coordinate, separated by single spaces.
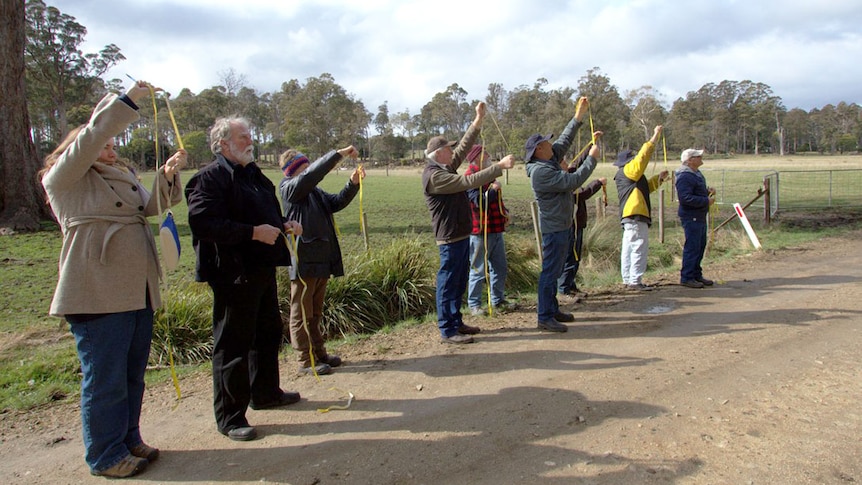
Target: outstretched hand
pixel 138 91
pixel 349 152
pixel 507 162
pixel 581 108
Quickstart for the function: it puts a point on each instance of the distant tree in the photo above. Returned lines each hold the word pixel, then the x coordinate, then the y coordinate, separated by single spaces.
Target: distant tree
pixel 198 148
pixel 59 75
pixel 21 201
pixel 645 105
pixel 609 112
pixel 320 116
pixel 406 126
pixel 448 113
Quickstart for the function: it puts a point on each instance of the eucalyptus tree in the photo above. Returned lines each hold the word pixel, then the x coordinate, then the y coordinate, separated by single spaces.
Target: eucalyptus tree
pixel 21 198
pixel 798 131
pixel 321 115
pixel 645 105
pixel 448 113
pixel 607 108
pixel 59 75
pixel 406 125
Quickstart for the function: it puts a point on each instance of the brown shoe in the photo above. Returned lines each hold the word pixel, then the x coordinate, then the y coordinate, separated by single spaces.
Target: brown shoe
pixel 144 450
pixel 127 467
pixel 465 329
pixel 457 339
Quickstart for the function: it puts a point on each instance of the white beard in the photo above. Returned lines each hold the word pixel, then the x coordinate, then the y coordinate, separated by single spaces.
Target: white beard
pixel 243 157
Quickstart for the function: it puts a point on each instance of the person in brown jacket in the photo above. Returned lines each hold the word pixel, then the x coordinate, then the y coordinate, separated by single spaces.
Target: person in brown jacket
pixel 109 273
pixel 446 197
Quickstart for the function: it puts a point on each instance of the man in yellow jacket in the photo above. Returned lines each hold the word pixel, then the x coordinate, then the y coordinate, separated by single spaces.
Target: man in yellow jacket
pixel 634 189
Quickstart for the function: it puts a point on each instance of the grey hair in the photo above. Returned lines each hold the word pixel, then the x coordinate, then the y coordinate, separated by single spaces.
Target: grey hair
pixel 433 156
pixel 221 131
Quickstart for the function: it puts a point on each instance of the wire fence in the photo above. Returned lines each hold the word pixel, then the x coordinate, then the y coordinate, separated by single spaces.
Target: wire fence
pixel 788 189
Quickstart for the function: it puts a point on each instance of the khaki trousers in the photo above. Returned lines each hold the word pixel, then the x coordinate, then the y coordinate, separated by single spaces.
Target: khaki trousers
pixel 315 290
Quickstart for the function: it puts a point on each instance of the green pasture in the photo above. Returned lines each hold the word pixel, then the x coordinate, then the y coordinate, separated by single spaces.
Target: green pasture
pixel 37 358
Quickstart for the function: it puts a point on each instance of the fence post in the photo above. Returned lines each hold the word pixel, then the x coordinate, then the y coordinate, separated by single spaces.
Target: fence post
pixel 767 207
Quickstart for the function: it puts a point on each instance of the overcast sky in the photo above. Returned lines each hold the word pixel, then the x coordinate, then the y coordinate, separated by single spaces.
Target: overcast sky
pixel 405 51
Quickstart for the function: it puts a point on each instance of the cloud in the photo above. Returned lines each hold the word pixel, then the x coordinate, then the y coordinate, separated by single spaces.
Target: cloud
pixel 404 51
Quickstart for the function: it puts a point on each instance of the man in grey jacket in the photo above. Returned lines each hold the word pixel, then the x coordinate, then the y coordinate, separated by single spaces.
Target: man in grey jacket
pixel 446 197
pixel 552 187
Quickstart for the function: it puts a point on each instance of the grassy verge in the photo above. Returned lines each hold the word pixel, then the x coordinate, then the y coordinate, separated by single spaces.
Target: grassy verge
pixel 38 364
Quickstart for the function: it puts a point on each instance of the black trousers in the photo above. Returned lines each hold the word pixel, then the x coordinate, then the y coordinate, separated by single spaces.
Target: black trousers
pixel 247 333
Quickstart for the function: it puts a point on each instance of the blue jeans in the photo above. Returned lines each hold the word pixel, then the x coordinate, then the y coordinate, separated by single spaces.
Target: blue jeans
pixel 567 282
pixel 555 247
pixel 692 251
pixel 113 349
pixel 451 284
pixel 497 269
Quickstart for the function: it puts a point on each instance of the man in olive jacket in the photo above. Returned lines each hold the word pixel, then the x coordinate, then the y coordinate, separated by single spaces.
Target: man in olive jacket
pixel 446 196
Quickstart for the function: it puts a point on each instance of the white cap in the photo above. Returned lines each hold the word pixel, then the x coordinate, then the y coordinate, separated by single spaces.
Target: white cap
pixel 690 153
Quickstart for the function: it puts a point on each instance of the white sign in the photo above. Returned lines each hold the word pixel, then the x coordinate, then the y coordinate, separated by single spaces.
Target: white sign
pixel 747 225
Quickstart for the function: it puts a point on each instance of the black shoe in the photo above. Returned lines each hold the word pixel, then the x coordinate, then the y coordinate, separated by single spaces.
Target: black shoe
pixel 564 317
pixel 468 330
pixel 457 339
pixel 692 284
pixel 283 400
pixel 705 281
pixel 244 433
pixel 319 369
pixel 330 360
pixel 552 326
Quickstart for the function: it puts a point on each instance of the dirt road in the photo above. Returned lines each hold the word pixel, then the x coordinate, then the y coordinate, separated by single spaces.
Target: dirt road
pixel 754 381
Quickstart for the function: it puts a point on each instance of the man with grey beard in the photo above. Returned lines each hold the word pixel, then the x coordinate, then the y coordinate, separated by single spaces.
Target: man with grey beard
pixel 238 234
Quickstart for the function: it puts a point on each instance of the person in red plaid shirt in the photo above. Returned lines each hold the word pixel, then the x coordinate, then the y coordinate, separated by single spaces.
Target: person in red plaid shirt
pixel 489 199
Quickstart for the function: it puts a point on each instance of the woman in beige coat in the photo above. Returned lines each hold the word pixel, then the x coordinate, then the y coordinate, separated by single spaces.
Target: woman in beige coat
pixel 109 277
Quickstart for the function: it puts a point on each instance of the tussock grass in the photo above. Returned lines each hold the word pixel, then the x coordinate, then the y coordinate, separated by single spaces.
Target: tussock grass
pixel 183 325
pixel 379 288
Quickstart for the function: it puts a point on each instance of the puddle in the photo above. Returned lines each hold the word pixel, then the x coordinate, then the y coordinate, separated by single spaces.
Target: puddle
pixel 658 309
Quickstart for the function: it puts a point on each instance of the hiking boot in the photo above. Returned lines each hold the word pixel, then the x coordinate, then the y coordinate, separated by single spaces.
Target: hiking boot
pixel 705 281
pixel 564 317
pixel 127 467
pixel 319 369
pixel 145 451
pixel 692 284
pixel 331 360
pixel 476 311
pixel 468 330
pixel 457 339
pixel 552 326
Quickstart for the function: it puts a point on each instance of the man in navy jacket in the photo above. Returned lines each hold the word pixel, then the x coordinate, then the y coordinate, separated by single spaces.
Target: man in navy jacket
pixel 694 201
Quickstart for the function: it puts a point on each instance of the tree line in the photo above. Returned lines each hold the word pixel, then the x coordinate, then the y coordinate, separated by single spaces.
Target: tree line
pixel 62 84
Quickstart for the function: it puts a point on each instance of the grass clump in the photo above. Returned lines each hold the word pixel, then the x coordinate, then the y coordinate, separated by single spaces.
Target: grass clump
pixel 183 326
pixel 379 288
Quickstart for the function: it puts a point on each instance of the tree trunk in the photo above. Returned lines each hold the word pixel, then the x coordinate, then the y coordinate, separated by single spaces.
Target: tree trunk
pixel 20 192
